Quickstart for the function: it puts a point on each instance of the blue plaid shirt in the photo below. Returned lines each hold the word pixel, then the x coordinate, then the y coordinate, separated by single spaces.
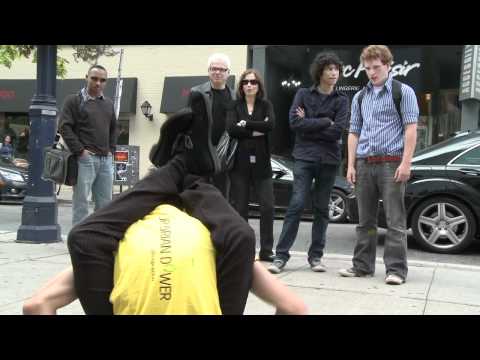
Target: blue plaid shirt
pixel 382 130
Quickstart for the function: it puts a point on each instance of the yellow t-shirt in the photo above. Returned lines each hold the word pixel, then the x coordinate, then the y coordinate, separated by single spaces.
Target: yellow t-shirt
pixel 166 265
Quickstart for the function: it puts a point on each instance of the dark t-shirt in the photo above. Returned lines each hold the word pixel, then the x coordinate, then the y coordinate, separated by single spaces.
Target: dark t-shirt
pixel 221 98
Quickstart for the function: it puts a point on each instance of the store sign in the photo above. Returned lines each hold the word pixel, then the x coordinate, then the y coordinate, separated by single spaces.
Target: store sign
pixel 401 69
pixel 470 75
pixel 16 94
pixel 7 94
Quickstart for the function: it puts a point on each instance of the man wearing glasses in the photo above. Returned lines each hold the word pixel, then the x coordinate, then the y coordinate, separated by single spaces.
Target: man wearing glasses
pixel 217 95
pixel 88 127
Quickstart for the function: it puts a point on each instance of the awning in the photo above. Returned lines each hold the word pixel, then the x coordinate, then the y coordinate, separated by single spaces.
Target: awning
pixel 176 90
pixel 16 95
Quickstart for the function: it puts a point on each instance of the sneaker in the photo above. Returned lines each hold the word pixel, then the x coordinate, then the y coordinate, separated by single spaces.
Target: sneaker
pixel 277 266
pixel 352 272
pixel 393 279
pixel 317 266
pixel 171 134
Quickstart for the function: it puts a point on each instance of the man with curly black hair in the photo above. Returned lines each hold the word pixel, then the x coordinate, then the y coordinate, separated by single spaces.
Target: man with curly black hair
pixel 318 116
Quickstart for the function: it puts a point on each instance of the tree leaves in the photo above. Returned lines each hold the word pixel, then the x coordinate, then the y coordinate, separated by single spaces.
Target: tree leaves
pixel 87 53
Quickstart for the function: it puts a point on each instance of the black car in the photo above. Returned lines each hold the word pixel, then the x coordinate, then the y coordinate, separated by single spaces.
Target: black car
pixel 442 196
pixel 282 188
pixel 13 181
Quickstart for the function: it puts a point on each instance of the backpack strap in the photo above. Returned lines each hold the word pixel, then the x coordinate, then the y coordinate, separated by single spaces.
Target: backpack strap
pixel 397 96
pixel 359 101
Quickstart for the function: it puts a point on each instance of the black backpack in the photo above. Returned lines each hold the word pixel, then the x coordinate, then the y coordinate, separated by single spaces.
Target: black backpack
pixel 396 95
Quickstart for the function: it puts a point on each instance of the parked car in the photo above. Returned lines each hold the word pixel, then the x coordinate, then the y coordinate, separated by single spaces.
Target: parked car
pixel 442 196
pixel 13 181
pixel 282 188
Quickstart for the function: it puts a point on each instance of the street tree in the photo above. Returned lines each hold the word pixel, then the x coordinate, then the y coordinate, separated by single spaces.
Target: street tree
pixel 87 53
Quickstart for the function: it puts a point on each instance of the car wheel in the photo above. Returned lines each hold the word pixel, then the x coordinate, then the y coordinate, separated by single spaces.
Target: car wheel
pixel 336 207
pixel 443 225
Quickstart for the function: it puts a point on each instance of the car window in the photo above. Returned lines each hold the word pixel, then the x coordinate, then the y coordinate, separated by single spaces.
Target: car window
pixel 469 158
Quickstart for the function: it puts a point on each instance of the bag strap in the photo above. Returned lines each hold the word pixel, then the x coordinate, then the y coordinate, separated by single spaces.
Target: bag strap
pixel 359 101
pixel 397 96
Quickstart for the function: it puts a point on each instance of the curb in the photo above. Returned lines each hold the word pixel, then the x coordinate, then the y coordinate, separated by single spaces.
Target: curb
pixel 342 257
pixel 379 260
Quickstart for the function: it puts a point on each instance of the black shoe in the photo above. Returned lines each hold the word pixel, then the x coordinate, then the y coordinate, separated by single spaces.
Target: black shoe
pixel 202 156
pixel 266 258
pixel 171 137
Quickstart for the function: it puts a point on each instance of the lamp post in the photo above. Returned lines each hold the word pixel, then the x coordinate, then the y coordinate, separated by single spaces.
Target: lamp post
pixel 39 212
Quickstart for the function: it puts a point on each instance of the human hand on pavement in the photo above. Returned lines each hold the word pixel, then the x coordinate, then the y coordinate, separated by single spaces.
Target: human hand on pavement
pixel 402 174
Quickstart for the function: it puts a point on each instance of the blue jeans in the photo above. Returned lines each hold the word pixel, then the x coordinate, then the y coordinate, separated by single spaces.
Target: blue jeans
pixel 303 173
pixel 95 174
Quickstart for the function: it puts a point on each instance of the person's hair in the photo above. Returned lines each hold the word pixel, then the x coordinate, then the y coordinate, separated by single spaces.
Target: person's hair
pixel 96 66
pixel 218 56
pixel 258 77
pixel 374 52
pixel 322 60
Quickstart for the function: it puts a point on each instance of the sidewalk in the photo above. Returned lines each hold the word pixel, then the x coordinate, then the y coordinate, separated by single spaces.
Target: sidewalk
pixel 432 288
pixel 66 193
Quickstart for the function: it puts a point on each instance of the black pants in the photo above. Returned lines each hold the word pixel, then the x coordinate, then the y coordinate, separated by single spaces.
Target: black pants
pixel 240 195
pixel 93 242
pixel 222 183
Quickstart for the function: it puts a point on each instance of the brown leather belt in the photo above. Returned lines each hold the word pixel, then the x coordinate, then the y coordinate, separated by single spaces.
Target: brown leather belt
pixel 382 159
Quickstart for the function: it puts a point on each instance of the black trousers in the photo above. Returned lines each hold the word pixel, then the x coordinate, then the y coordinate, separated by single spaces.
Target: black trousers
pixel 222 183
pixel 92 243
pixel 240 195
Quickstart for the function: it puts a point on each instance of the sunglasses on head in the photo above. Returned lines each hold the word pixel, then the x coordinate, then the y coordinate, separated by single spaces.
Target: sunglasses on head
pixel 95 79
pixel 253 82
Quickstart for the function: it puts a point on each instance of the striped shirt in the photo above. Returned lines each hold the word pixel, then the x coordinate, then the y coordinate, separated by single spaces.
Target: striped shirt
pixel 382 130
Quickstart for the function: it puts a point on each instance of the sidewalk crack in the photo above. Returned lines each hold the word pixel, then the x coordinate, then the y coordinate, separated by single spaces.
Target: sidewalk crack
pixel 428 291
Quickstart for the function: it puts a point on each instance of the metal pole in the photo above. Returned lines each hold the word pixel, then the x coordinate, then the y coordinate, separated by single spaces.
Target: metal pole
pixel 118 90
pixel 39 212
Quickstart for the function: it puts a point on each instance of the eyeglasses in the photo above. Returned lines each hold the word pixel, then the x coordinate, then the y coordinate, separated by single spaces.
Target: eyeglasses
pixel 246 82
pixel 215 69
pixel 95 79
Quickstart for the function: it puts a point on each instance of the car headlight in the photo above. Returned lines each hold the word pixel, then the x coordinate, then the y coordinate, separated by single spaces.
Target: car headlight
pixel 12 176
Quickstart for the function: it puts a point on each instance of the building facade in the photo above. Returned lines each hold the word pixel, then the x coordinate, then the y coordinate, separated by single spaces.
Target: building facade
pixel 163 74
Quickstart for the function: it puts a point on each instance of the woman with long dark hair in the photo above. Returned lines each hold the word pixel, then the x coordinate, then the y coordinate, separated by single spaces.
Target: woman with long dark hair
pixel 250 120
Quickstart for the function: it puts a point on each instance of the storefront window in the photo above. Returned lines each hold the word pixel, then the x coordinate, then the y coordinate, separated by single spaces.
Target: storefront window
pixel 432 71
pixel 17 126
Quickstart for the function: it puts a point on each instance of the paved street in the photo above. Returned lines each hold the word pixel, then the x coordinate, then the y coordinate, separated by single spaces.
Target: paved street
pixel 340 240
pixel 437 284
